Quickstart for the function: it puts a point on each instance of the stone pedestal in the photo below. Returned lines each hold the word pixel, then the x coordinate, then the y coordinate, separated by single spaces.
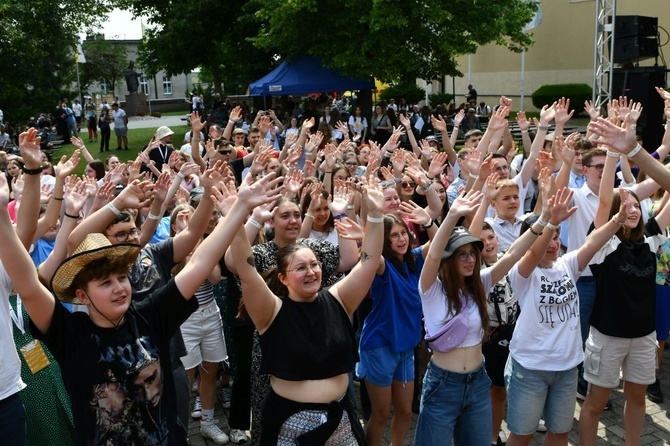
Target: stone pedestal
pixel 136 104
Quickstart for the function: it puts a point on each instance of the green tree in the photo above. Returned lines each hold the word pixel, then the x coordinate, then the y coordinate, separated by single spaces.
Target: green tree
pixel 210 34
pixel 105 62
pixel 391 40
pixel 37 49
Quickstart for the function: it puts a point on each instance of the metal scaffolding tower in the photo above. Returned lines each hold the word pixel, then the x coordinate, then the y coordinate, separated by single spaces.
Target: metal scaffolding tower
pixel 603 54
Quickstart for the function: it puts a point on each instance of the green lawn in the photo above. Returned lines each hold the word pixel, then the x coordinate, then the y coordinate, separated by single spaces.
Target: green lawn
pixel 137 140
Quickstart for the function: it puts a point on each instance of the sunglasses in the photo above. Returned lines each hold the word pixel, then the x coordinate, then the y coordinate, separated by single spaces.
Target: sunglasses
pixel 225 151
pixel 408 184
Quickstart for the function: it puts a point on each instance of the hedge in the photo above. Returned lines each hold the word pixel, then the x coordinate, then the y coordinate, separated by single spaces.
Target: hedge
pixel 578 93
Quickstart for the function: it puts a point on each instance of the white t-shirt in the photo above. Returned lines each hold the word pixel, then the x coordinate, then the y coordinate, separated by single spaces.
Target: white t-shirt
pixel 578 224
pixel 118 116
pixel 10 366
pixel 435 310
pixel 547 334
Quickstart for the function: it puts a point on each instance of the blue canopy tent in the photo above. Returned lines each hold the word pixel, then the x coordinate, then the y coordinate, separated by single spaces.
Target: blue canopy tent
pixel 305 75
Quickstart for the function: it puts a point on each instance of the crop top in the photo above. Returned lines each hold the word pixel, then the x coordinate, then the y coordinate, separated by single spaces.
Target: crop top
pixel 309 340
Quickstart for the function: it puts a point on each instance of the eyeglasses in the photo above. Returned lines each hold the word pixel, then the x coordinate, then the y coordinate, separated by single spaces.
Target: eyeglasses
pixel 302 270
pixel 464 256
pixel 598 167
pixel 580 153
pixel 408 184
pixel 123 237
pixel 351 164
pixel 397 236
pixel 225 151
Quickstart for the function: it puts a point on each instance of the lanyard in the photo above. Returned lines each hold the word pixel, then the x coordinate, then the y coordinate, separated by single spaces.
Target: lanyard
pixel 163 155
pixel 17 316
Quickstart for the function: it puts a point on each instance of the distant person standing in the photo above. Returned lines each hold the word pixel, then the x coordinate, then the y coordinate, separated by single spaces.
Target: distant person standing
pixel 77 109
pixel 120 126
pixel 105 129
pixel 471 97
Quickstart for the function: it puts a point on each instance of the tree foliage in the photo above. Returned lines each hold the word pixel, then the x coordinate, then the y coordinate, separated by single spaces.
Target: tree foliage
pixel 210 34
pixel 390 39
pixel 105 62
pixel 37 50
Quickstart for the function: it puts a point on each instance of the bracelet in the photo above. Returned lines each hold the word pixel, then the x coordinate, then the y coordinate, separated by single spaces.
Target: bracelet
pixel 309 215
pixel 524 131
pixel 430 179
pixel 614 219
pixel 473 176
pixel 113 208
pixel 552 226
pixel 375 219
pixel 533 232
pixel 255 224
pixel 308 153
pixel 230 121
pixel 327 171
pixel 426 188
pixel 76 217
pixel 195 139
pixel 340 216
pixel 612 154
pixel 350 206
pixel 543 127
pixel 635 151
pixel 36 171
pixel 151 216
pixel 429 224
pixel 180 175
pixel 541 222
pixel 58 198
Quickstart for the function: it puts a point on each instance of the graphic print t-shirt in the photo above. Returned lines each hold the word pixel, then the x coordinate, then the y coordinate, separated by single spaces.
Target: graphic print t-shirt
pixel 119 379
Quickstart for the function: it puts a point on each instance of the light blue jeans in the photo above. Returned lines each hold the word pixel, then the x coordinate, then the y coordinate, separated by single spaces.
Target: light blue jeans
pixel 454 406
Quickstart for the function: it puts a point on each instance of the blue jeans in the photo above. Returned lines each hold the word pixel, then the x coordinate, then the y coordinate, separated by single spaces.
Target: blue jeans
pixel 454 406
pixel 586 287
pixel 12 421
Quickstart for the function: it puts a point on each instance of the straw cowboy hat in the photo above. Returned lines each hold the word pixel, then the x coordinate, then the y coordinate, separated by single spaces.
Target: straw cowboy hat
pixel 94 247
pixel 163 131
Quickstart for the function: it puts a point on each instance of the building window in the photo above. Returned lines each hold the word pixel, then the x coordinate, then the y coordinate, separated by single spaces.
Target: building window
pixel 167 85
pixel 103 87
pixel 144 85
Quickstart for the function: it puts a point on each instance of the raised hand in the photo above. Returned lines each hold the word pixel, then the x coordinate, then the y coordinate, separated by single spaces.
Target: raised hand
pixel 213 175
pixel 490 187
pixel 547 114
pixel 235 114
pixel 591 110
pixel 103 195
pixel 340 199
pixel 307 124
pixel 560 210
pixel 136 195
pixel 78 142
pixel 196 124
pixel 224 196
pixel 562 116
pixel 4 192
pixel 66 167
pixel 29 146
pixel 464 204
pixel 265 190
pixel 294 182
pixel 415 213
pixel 438 124
pixel 458 119
pixel 161 186
pixel 398 162
pixel 633 114
pixel 75 197
pixel 620 139
pixel 348 229
pixel 404 120
pixel 522 121
pixel 437 164
pixel 373 194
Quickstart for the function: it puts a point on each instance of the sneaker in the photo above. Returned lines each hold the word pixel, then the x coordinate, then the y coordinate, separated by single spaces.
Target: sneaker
pixel 119 148
pixel 238 436
pixel 499 442
pixel 608 405
pixel 209 429
pixel 197 408
pixel 582 388
pixel 654 392
pixel 225 395
pixel 541 427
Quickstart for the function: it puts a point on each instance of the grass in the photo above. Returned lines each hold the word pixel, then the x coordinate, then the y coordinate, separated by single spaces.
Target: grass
pixel 137 140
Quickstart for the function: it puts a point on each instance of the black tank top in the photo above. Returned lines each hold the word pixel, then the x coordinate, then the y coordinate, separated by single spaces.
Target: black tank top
pixel 309 340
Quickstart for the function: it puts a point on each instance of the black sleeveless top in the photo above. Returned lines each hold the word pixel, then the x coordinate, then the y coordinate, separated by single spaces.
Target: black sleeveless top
pixel 309 340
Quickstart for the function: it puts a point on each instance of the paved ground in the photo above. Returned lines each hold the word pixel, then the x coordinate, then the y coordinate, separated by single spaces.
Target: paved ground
pixel 611 431
pixel 144 122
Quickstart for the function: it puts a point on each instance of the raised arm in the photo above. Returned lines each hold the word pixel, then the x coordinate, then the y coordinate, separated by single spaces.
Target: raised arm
pixel 461 207
pixel 440 125
pixel 29 145
pixel 546 116
pixel 79 143
pixel 353 288
pixel 196 127
pixel 489 191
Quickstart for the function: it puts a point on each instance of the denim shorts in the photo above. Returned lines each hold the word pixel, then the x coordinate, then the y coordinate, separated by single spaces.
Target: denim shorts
pixel 203 337
pixel 535 394
pixel 454 406
pixel 381 366
pixel 606 356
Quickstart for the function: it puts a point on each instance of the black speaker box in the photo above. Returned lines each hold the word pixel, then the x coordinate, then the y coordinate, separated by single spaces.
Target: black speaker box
pixel 629 49
pixel 635 25
pixel 638 84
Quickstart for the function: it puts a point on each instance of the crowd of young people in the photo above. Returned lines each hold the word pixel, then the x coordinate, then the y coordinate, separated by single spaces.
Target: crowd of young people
pixel 463 270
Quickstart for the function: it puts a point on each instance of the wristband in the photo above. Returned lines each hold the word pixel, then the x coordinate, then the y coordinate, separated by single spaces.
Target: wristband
pixel 426 188
pixel 543 128
pixel 114 209
pixel 309 215
pixel 541 222
pixel 230 121
pixel 429 224
pixel 375 219
pixel 153 217
pixel 612 154
pixel 533 232
pixel 36 171
pixel 524 131
pixel 327 171
pixel 631 154
pixel 615 219
pixel 76 217
pixel 195 139
pixel 58 198
pixel 180 175
pixel 255 224
pixel 473 176
pixel 340 216
pixel 350 206
pixel 552 226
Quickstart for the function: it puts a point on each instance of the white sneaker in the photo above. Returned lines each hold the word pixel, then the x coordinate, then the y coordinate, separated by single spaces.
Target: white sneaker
pixel 238 436
pixel 225 395
pixel 197 408
pixel 209 429
pixel 541 427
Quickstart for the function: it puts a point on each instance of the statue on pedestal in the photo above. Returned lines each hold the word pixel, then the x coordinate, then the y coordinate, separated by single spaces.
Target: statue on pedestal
pixel 132 78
